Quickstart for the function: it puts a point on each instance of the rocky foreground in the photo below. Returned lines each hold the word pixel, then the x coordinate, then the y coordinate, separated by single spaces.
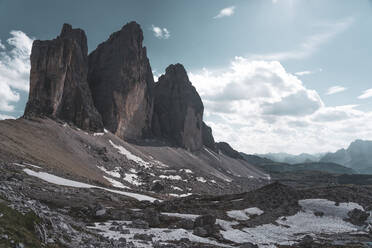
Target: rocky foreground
pixel 39 209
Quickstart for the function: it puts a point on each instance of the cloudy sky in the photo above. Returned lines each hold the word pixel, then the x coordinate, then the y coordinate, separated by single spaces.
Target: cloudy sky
pixel 275 75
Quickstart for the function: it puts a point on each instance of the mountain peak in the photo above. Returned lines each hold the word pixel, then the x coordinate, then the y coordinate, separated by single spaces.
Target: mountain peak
pixel 58 80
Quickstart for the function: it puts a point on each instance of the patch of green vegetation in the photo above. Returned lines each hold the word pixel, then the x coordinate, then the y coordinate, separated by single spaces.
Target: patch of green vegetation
pixel 19 228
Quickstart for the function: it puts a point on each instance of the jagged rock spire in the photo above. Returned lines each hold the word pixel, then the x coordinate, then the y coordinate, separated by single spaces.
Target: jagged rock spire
pixel 178 109
pixel 121 80
pixel 58 80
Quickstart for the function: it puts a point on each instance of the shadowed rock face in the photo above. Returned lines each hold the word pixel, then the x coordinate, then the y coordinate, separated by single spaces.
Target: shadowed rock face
pixel 178 109
pixel 121 80
pixel 58 80
pixel 226 149
pixel 208 139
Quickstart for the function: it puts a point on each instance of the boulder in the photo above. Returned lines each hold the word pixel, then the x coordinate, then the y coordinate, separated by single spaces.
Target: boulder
pixel 205 220
pixel 58 80
pixel 152 217
pixel 178 109
pixel 121 81
pixel 306 242
pixel 358 217
pixel 205 226
pixel 157 187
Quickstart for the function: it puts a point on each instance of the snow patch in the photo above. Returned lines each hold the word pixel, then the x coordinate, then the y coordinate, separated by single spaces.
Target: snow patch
pixel 132 179
pixel 188 171
pixel 288 230
pixel 98 134
pixel 244 214
pixel 115 183
pixel 176 188
pixel 159 234
pixel 130 156
pixel 211 153
pixel 329 208
pixel 181 195
pixel 113 173
pixel 171 177
pixel 20 165
pixel 201 179
pixel 183 216
pixel 70 183
pixel 32 165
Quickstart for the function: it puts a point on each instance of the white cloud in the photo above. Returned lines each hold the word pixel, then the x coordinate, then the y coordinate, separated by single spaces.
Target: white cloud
pixel 311 44
pixel 7 96
pixel 302 103
pixel 229 11
pixel 161 33
pixel 14 69
pixel 335 89
pixel 366 94
pixel 259 107
pixel 307 72
pixel 4 117
pixel 2 45
pixel 156 75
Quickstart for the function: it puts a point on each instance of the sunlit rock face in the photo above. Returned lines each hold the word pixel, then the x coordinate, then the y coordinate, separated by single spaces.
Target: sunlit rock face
pixel 178 109
pixel 58 80
pixel 121 82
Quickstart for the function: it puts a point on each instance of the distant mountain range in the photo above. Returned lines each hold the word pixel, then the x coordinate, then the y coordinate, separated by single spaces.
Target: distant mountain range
pixel 292 159
pixel 357 157
pixel 271 166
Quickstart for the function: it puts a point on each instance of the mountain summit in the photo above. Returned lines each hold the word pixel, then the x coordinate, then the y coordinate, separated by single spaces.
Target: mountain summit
pixel 357 156
pixel 58 80
pixel 114 88
pixel 121 82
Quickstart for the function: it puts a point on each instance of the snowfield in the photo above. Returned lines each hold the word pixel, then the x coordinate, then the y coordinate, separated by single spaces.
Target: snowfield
pixel 244 214
pixel 328 207
pixel 160 234
pixel 70 183
pixel 292 228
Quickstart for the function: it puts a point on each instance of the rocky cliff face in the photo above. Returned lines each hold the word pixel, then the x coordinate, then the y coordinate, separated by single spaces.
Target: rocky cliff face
pixel 226 149
pixel 58 80
pixel 207 137
pixel 178 109
pixel 114 88
pixel 121 80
